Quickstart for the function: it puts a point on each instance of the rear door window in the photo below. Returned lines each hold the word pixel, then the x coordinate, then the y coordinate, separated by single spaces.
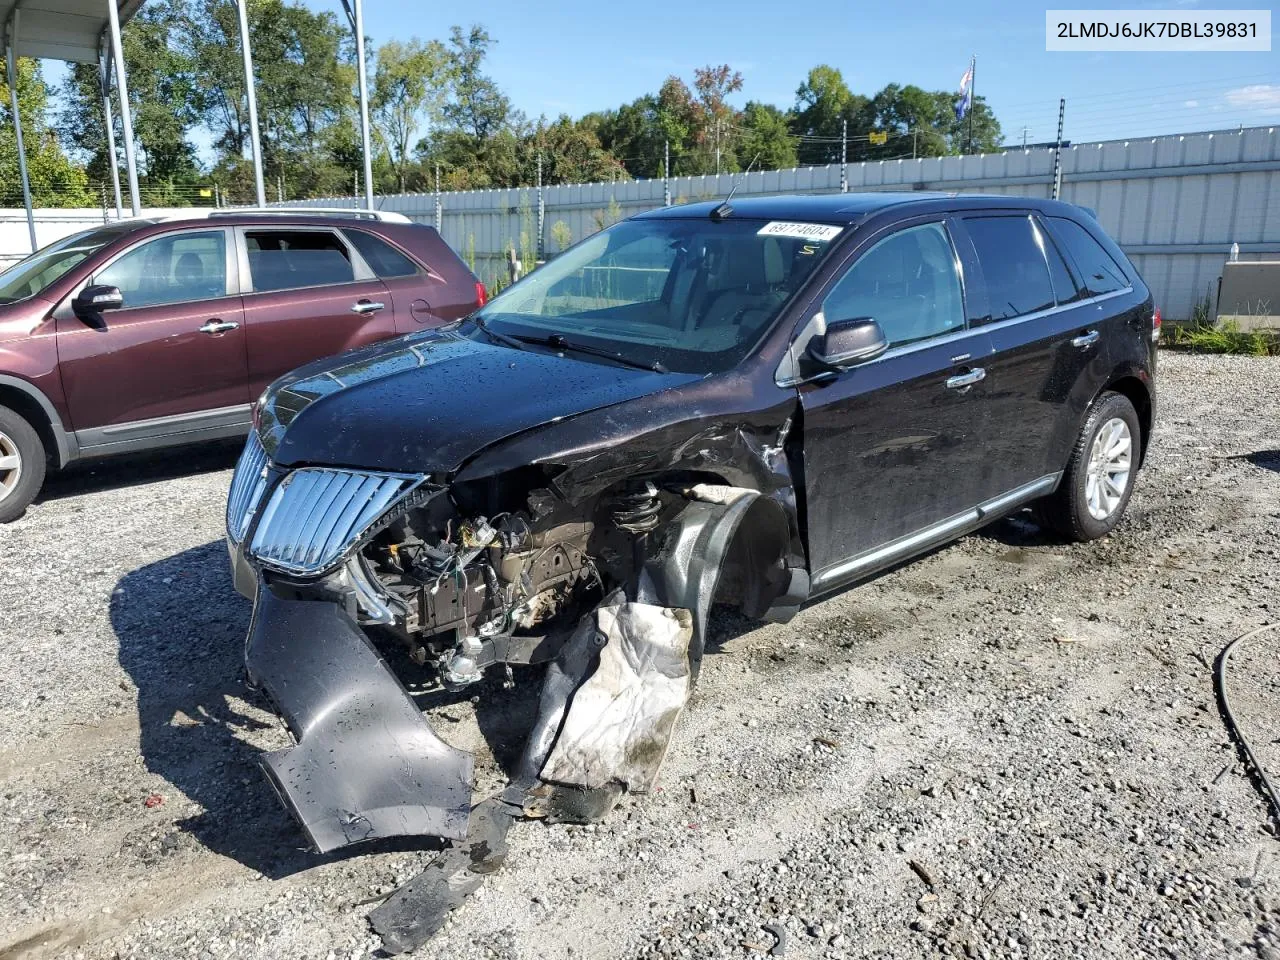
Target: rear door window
pixel 287 259
pixel 1101 273
pixel 907 282
pixel 1013 265
pixel 384 259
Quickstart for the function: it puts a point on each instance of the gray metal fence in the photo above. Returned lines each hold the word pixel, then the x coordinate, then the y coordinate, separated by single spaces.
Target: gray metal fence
pixel 1174 203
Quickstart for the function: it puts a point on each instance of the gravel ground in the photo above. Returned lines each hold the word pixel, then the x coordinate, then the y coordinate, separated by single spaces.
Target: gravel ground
pixel 1009 748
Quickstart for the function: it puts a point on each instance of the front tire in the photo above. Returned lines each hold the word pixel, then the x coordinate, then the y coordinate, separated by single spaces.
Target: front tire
pixel 22 464
pixel 1098 481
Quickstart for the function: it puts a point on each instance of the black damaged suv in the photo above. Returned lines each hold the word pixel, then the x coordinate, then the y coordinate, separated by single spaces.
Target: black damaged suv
pixel 757 402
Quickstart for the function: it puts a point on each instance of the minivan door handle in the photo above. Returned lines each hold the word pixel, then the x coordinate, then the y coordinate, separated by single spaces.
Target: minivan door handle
pixel 367 306
pixel 1085 340
pixel 216 326
pixel 962 381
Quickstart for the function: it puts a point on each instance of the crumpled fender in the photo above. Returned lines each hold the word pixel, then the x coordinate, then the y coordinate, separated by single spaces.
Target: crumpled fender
pixel 367 765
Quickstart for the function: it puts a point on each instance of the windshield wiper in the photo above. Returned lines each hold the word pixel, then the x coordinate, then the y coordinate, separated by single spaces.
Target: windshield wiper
pixel 558 342
pixel 495 335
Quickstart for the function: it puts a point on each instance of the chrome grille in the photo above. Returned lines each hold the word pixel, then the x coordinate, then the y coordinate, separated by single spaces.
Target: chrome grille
pixel 247 485
pixel 315 515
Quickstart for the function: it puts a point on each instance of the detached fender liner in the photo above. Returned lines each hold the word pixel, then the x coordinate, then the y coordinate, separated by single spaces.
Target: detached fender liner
pixel 367 765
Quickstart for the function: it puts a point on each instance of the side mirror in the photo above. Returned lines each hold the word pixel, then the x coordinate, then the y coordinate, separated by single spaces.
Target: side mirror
pixel 93 300
pixel 848 343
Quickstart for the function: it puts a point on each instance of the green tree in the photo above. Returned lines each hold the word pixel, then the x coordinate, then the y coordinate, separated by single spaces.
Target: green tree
pixel 55 180
pixel 823 103
pixel 304 74
pixel 410 89
pixel 765 138
pixel 162 93
pixel 572 153
pixel 477 106
pixel 714 119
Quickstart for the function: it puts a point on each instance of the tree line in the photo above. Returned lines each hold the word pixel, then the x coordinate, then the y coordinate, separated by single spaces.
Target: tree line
pixel 434 108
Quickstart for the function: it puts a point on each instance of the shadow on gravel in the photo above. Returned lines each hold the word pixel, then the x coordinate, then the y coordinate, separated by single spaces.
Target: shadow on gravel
pixel 1267 459
pixel 111 473
pixel 1018 530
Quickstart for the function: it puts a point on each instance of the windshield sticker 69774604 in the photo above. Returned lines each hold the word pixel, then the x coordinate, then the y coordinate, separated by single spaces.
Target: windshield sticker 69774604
pixel 821 232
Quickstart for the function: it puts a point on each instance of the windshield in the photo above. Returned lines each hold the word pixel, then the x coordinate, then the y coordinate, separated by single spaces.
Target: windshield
pixel 682 294
pixel 28 277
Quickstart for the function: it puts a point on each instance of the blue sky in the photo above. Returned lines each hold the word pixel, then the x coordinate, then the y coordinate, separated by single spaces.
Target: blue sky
pixel 575 56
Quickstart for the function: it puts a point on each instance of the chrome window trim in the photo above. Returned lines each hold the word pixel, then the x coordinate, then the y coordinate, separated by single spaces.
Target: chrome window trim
pixel 908 348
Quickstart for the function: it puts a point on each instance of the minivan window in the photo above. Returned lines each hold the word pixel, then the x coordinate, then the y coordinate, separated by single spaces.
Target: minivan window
pixel 383 259
pixel 286 259
pixel 176 268
pixel 51 263
pixel 907 282
pixel 1012 264
pixel 1100 271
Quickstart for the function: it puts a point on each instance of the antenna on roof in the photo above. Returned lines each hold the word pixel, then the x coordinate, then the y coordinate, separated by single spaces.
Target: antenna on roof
pixel 722 211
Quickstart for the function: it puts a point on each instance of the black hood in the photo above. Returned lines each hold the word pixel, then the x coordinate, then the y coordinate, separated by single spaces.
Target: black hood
pixel 429 402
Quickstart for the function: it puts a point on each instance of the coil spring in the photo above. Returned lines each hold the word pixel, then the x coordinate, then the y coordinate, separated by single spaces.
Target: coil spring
pixel 636 511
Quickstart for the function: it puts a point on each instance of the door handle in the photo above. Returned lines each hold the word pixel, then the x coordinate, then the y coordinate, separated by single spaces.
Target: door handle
pixel 1086 339
pixel 963 381
pixel 218 326
pixel 367 306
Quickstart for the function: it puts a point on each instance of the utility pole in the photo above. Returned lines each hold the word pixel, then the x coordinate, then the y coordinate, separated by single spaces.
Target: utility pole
pixel 251 99
pixel 439 211
pixel 915 141
pixel 1024 137
pixel 1057 151
pixel 666 173
pixel 844 156
pixel 280 187
pixel 355 186
pixel 717 146
pixel 542 211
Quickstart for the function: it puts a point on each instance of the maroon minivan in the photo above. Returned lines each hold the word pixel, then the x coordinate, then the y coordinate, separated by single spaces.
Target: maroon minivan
pixel 154 333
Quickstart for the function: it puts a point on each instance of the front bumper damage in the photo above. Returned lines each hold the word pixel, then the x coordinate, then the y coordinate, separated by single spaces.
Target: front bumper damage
pixel 366 765
pixel 607 582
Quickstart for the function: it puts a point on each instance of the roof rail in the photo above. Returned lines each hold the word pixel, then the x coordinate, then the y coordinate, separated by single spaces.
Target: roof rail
pixel 350 213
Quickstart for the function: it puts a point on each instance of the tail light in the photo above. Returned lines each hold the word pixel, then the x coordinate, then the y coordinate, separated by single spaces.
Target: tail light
pixel 482 295
pixel 1155 324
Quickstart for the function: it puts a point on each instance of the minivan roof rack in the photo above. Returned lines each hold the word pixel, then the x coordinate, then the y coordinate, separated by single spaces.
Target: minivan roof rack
pixel 351 213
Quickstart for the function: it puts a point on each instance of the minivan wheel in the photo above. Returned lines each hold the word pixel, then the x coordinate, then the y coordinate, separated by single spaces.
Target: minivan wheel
pixel 1098 481
pixel 22 464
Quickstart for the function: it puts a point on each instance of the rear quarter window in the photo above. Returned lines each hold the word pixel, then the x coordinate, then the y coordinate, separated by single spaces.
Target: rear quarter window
pixel 1099 269
pixel 383 259
pixel 1013 265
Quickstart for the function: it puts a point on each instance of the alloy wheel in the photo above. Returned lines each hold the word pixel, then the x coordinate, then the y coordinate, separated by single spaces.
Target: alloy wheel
pixel 1110 463
pixel 10 465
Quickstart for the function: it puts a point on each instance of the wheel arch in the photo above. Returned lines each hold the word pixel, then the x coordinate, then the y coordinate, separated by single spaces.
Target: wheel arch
pixel 29 402
pixel 1137 391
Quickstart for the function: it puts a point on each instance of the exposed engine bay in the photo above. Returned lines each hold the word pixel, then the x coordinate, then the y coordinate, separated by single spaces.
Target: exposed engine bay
pixel 473 590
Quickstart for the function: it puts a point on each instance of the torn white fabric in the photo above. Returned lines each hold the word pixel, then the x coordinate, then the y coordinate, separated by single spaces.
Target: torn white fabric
pixel 620 721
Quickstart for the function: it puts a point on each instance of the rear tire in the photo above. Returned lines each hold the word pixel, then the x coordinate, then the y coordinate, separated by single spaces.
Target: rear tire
pixel 1098 481
pixel 22 465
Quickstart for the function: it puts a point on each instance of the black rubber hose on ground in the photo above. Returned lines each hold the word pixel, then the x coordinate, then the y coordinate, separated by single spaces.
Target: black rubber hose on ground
pixel 1253 768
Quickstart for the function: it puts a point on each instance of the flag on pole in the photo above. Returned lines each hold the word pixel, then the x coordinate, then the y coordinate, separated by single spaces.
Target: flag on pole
pixel 966 93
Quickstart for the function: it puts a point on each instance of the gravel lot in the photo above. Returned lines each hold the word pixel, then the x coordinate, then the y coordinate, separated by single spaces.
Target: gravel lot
pixel 1009 748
